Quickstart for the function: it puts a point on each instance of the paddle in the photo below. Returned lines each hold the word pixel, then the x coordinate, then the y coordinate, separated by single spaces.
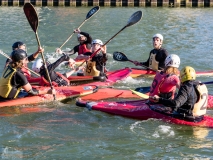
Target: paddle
pixel 92 12
pixel 140 94
pixel 32 18
pixel 210 82
pixel 136 17
pixel 119 56
pixel 4 54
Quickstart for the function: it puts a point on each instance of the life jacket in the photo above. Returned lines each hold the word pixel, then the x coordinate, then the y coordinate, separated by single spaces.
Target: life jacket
pixel 62 80
pixel 157 84
pixel 200 106
pixel 6 89
pixel 83 49
pixel 91 69
pixel 44 82
pixel 152 62
pixel 196 111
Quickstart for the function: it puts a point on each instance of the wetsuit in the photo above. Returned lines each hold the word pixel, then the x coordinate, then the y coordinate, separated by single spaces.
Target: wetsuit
pixel 54 76
pixel 160 56
pixel 186 99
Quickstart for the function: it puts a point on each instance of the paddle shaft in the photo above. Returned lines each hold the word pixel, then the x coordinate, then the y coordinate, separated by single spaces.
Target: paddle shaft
pixel 45 65
pixel 4 54
pixel 72 34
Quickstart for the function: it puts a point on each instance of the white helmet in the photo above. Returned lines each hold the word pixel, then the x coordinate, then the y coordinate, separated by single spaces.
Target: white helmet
pixel 172 60
pixel 37 65
pixel 158 36
pixel 98 41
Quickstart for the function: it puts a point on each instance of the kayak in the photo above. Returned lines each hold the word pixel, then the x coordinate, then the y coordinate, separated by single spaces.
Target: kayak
pixel 139 72
pixel 62 93
pixel 79 80
pixel 113 77
pixel 111 93
pixel 66 92
pixel 74 80
pixel 142 111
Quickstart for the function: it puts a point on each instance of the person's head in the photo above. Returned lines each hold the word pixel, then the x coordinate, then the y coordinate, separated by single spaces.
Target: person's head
pixel 187 73
pixel 19 57
pixel 81 38
pixel 172 60
pixel 37 65
pixel 19 45
pixel 157 41
pixel 172 63
pixel 96 44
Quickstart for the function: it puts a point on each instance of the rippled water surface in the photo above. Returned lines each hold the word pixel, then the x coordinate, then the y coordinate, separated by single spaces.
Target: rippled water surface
pixel 65 131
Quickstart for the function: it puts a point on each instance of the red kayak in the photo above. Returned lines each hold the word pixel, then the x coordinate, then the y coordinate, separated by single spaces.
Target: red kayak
pixel 66 92
pixel 140 110
pixel 62 93
pixel 138 72
pixel 78 80
pixel 110 93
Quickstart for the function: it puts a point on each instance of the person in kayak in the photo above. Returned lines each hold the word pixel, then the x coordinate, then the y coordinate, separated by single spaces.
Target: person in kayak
pixel 32 57
pixel 165 82
pixel 96 65
pixel 13 79
pixel 57 78
pixel 157 55
pixel 191 100
pixel 84 45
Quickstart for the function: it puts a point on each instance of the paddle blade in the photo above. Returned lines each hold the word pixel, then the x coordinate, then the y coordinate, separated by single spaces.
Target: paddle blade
pixel 140 94
pixel 136 17
pixel 31 15
pixel 119 56
pixel 93 11
pixel 143 89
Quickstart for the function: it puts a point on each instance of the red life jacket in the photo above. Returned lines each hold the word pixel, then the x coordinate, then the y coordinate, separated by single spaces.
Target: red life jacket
pixel 83 49
pixel 164 85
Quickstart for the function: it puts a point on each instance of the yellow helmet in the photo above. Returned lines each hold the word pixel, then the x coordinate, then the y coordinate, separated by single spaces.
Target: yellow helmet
pixel 187 73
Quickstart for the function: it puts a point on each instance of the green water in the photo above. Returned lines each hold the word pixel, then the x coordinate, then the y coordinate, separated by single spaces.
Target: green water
pixel 65 131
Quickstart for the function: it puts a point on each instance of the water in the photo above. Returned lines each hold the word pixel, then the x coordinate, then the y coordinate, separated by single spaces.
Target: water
pixel 65 131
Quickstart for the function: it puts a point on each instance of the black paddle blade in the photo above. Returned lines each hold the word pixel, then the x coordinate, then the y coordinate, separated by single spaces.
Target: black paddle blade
pixel 92 12
pixel 143 89
pixel 31 15
pixel 136 17
pixel 119 56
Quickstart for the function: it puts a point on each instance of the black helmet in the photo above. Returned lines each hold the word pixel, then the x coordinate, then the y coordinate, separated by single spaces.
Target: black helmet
pixel 17 44
pixel 18 55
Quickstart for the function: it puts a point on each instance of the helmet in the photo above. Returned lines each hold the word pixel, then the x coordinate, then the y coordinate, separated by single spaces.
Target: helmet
pixel 187 73
pixel 18 55
pixel 37 65
pixel 16 45
pixel 98 41
pixel 172 60
pixel 158 36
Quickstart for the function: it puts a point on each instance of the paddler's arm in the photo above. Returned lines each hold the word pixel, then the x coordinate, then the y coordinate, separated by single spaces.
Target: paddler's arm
pixel 33 56
pixel 178 101
pixel 71 52
pixel 32 91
